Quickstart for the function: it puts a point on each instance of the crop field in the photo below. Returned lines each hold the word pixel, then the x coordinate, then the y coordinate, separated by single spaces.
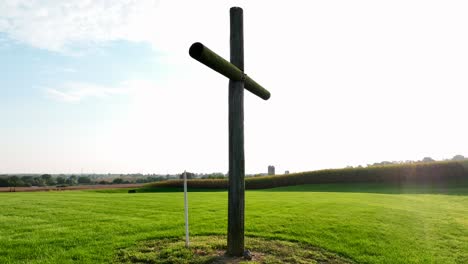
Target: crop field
pixel 366 223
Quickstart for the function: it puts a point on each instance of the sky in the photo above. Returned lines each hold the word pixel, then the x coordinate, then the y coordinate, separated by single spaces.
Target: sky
pixel 109 87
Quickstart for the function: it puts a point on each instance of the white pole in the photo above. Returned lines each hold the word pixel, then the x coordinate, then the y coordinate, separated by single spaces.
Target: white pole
pixel 186 211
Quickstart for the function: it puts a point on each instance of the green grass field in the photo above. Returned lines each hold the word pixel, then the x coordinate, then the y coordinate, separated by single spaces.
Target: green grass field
pixel 365 223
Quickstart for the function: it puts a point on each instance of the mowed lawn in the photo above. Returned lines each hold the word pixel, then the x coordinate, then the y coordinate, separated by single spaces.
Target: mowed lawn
pixel 365 223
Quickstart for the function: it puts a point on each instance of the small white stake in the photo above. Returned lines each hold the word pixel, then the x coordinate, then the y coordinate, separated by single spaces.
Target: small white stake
pixel 186 211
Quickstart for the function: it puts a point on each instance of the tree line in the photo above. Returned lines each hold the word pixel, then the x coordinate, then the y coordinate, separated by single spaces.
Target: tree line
pixel 50 180
pixel 71 180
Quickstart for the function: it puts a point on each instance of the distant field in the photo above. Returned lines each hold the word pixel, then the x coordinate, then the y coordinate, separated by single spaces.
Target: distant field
pixel 67 188
pixel 368 223
pixel 440 173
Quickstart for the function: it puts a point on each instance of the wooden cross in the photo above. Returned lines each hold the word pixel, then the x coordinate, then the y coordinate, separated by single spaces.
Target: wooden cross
pixel 238 80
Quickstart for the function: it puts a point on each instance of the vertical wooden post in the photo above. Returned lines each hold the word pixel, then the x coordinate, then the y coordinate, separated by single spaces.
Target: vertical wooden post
pixel 186 211
pixel 236 139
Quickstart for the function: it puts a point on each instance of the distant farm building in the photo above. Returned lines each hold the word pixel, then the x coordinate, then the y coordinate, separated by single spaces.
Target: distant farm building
pixel 271 170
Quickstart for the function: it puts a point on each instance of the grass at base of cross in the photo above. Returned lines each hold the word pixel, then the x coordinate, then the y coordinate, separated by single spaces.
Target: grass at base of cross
pixel 211 249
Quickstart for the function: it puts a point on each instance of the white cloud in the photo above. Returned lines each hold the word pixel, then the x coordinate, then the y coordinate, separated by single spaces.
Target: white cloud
pixel 69 70
pixel 61 25
pixel 56 70
pixel 75 25
pixel 141 92
pixel 74 92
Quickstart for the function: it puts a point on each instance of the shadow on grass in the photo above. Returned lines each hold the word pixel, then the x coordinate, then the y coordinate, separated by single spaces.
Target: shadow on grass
pixel 380 188
pixel 448 189
pixel 177 189
pixel 155 190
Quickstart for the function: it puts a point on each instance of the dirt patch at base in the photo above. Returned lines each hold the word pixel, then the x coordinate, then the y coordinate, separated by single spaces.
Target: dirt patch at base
pixel 211 249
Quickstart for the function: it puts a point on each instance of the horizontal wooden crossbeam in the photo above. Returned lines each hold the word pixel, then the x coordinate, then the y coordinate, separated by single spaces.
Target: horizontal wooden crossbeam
pixel 206 56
